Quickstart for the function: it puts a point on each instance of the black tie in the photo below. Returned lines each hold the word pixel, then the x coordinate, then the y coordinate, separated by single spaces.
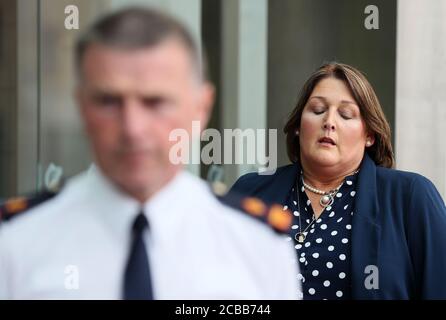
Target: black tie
pixel 137 281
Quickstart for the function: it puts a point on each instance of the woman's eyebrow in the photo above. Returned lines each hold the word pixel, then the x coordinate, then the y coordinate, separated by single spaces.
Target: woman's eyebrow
pixel 348 102
pixel 325 100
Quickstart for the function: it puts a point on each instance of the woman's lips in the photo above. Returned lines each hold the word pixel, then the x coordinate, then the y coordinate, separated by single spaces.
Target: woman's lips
pixel 327 141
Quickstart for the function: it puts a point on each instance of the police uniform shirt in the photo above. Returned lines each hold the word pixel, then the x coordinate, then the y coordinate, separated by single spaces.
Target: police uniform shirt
pixel 76 245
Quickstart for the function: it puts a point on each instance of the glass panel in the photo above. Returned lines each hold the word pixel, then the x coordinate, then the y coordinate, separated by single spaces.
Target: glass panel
pixel 63 145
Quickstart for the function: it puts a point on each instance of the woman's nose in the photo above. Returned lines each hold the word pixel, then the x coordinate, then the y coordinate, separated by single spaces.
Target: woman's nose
pixel 329 120
pixel 328 126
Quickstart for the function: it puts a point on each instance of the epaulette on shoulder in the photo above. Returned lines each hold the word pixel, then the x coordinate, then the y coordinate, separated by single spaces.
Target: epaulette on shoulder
pixel 14 206
pixel 272 214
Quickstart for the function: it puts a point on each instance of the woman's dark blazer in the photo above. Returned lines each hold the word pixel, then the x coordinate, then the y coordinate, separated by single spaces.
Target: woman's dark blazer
pixel 399 226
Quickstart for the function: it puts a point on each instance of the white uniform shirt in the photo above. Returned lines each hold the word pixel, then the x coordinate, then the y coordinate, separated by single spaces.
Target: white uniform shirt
pixel 76 245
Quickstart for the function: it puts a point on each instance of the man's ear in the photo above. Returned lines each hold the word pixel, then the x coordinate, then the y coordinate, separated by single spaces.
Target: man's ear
pixel 207 97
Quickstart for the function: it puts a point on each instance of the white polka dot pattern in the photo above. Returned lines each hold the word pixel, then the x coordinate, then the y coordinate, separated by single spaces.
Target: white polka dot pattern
pixel 324 257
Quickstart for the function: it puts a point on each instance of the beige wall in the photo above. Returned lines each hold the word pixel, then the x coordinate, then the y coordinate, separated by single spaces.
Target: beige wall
pixel 421 89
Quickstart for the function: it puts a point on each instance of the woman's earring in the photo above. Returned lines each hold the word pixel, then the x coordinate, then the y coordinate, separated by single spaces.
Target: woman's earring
pixel 297 132
pixel 368 143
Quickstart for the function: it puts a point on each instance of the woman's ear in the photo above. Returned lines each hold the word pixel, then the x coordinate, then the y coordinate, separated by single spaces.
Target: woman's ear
pixel 370 140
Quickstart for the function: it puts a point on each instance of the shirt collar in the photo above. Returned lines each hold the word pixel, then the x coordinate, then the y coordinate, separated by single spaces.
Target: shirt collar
pixel 165 210
pixel 172 207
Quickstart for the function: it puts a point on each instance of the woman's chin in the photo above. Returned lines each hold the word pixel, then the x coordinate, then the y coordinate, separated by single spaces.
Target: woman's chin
pixel 323 159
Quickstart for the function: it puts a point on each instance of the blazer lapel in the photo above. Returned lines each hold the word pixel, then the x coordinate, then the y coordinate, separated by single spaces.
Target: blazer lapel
pixel 366 231
pixel 277 189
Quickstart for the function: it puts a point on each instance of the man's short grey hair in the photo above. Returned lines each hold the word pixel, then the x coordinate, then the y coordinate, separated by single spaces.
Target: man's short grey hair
pixel 137 28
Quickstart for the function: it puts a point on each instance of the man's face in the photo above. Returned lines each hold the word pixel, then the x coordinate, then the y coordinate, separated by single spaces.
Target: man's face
pixel 130 102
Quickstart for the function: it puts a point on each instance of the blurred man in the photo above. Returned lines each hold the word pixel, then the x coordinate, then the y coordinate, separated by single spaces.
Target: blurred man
pixel 140 227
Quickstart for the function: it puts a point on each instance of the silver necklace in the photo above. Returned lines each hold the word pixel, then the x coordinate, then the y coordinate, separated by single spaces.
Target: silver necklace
pixel 301 235
pixel 327 198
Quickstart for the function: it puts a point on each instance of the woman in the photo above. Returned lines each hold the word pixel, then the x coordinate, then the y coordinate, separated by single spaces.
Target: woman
pixel 362 230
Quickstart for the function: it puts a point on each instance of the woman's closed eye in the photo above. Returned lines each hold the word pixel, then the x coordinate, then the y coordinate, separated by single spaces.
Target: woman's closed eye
pixel 318 110
pixel 346 116
pixel 347 113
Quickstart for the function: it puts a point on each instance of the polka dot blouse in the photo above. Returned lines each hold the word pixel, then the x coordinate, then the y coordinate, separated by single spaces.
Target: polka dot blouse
pixel 324 256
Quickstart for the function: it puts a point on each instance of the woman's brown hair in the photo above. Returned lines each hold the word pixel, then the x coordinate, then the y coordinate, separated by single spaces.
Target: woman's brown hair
pixel 371 112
